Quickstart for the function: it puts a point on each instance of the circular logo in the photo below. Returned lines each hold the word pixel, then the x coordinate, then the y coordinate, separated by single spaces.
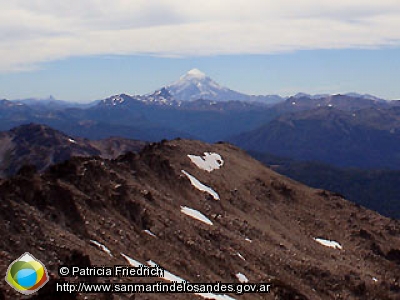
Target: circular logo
pixel 27 274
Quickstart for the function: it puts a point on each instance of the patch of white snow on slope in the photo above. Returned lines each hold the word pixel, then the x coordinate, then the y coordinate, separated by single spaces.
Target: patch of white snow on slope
pixel 149 233
pixel 240 255
pixel 209 162
pixel 102 247
pixel 242 278
pixel 328 243
pixel 198 185
pixel 168 276
pixel 131 261
pixel 195 214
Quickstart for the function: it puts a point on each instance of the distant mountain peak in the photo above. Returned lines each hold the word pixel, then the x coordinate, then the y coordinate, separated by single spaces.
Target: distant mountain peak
pixel 116 100
pixel 196 85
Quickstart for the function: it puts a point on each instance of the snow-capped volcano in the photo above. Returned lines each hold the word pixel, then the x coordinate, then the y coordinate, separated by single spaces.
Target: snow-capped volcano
pixel 195 85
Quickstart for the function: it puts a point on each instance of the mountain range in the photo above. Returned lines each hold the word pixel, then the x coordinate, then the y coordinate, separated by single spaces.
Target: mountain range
pixel 367 138
pixel 194 85
pixel 350 130
pixel 163 114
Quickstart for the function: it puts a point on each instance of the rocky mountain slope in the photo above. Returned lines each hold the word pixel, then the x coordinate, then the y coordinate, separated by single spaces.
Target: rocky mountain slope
pixel 146 207
pixel 42 146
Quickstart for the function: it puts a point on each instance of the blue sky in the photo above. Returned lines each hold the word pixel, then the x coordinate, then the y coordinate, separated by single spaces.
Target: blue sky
pixel 312 71
pixel 86 50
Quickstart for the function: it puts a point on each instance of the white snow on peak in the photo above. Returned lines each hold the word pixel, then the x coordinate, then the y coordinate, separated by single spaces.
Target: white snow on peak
pixel 149 233
pixel 242 278
pixel 195 214
pixel 102 247
pixel 71 141
pixel 196 73
pixel 328 243
pixel 114 100
pixel 195 85
pixel 198 185
pixel 131 261
pixel 168 276
pixel 194 76
pixel 209 162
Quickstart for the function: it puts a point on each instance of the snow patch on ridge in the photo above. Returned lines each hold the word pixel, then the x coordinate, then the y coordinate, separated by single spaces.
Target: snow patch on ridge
pixel 102 247
pixel 240 255
pixel 328 243
pixel 149 233
pixel 242 278
pixel 198 185
pixel 131 261
pixel 195 214
pixel 168 276
pixel 209 162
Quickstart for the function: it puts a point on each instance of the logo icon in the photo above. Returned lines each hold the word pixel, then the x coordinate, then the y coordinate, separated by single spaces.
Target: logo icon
pixel 27 274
